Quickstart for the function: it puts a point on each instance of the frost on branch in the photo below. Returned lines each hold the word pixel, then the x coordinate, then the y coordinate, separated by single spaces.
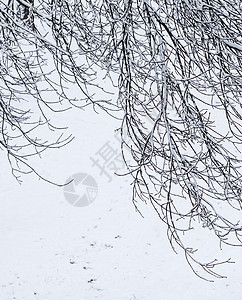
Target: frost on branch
pixel 177 68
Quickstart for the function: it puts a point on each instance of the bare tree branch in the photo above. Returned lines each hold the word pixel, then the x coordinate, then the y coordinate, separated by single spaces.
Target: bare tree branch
pixel 177 68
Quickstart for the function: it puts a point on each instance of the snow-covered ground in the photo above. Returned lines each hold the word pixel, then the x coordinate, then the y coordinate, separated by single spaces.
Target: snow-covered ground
pixel 51 250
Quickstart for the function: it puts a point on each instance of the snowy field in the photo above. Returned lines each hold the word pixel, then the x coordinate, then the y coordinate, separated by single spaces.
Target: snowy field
pixel 52 250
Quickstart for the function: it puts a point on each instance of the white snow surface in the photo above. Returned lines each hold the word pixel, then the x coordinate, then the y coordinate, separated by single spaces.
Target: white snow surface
pixel 50 250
